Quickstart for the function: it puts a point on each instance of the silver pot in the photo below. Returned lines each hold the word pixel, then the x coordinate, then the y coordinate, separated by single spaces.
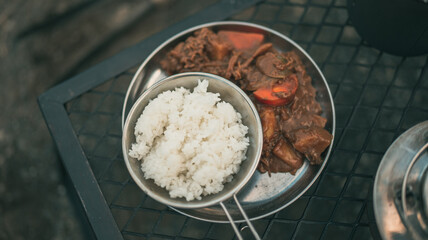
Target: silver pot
pixel 400 194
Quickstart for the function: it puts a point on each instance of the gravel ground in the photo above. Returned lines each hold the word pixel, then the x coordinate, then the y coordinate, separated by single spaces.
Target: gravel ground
pixel 42 43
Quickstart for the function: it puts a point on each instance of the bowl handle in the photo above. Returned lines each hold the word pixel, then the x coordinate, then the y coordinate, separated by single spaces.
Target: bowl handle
pixel 247 220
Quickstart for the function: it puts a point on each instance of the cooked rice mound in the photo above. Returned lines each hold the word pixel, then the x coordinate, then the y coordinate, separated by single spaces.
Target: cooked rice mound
pixel 190 143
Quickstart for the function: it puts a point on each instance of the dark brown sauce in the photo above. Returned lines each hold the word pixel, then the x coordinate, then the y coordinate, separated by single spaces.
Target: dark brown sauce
pixel 292 126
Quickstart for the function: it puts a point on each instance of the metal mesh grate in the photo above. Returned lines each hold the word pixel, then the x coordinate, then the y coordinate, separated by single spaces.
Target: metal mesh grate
pixel 377 97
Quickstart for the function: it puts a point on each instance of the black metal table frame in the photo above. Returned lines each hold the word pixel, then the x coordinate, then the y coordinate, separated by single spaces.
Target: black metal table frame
pixel 377 96
pixel 72 155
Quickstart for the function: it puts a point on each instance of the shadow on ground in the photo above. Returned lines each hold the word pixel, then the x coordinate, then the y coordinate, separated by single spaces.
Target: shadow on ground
pixel 41 44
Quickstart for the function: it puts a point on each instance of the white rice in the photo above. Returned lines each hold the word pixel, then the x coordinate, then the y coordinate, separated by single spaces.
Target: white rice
pixel 190 143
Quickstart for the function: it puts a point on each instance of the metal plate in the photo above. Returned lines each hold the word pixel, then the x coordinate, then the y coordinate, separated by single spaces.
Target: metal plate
pixel 392 221
pixel 263 195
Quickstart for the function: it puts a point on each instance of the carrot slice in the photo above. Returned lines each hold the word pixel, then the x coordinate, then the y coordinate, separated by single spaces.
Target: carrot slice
pixel 265 95
pixel 242 40
pixel 288 88
pixel 280 94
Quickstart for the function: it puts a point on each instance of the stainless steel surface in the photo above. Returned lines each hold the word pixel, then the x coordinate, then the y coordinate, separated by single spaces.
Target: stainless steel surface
pixel 262 195
pixel 394 220
pixel 247 220
pixel 425 193
pixel 411 192
pixel 232 222
pixel 229 93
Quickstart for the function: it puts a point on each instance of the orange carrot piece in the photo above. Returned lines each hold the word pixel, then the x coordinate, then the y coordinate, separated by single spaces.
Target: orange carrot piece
pixel 241 40
pixel 278 95
pixel 265 96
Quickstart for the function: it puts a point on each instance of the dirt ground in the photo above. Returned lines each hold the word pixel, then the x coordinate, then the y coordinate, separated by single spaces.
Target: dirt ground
pixel 42 43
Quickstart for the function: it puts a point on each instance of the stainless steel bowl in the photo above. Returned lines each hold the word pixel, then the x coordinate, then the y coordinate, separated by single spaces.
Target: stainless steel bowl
pixel 230 93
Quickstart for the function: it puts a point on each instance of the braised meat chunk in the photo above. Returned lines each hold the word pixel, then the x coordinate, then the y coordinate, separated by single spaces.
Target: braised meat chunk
pixel 311 142
pixel 270 65
pixel 278 84
pixel 203 52
pixel 278 166
pixel 284 151
pixel 271 132
pixel 298 121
